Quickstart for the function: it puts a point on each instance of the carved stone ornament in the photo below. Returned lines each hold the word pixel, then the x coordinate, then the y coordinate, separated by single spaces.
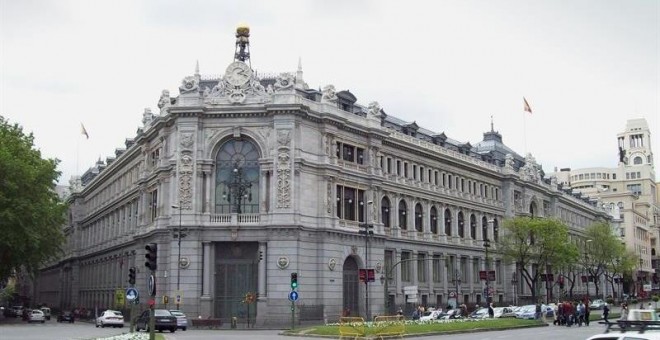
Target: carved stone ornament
pixel 332 263
pixel 379 267
pixel 188 84
pixel 284 82
pixel 187 140
pixel 354 249
pixel 282 262
pixel 185 181
pixel 164 100
pixel 238 86
pixel 374 109
pixel 329 94
pixel 184 263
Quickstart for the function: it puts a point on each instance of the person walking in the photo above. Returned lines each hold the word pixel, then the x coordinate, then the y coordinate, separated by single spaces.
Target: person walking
pixel 606 313
pixel 491 311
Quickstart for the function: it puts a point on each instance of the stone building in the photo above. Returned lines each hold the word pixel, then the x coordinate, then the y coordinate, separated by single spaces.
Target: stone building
pixel 242 181
pixel 629 191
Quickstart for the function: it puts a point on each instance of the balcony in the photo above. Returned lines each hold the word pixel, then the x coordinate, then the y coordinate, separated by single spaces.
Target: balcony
pixel 235 219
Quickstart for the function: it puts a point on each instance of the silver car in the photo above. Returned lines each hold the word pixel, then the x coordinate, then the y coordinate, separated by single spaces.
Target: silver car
pixel 181 319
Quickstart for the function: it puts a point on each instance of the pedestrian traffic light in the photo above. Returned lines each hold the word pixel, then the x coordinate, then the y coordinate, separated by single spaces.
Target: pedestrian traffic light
pixel 151 256
pixel 131 275
pixel 294 281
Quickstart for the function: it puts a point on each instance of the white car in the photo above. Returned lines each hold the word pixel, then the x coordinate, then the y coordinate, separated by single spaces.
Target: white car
pixel 110 318
pixel 36 315
pixel 181 319
pixel 430 315
pixel 597 304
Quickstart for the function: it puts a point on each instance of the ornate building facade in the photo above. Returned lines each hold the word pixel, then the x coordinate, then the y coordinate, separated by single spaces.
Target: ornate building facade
pixel 242 180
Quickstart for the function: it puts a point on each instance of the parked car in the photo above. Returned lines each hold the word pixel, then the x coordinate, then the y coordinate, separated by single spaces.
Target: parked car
pixel 430 315
pixel 504 312
pixel 17 311
pixel 163 320
pixel 46 311
pixel 181 319
pixel 36 315
pixel 597 304
pixel 480 313
pixel 110 318
pixel 526 312
pixel 66 316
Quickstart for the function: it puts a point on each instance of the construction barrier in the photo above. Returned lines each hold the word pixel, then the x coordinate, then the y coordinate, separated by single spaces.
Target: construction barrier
pixel 352 327
pixel 389 326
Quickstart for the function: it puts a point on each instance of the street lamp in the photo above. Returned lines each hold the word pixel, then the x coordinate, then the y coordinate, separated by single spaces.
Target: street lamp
pixel 457 283
pixel 486 246
pixel 178 234
pixel 514 283
pixel 239 188
pixel 368 231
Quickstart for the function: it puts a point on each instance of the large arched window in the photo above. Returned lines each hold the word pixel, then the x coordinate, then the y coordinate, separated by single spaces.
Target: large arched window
pixel 484 228
pixel 473 227
pixel 496 229
pixel 385 212
pixel 447 222
pixel 418 217
pixel 461 225
pixel 638 160
pixel 403 211
pixel 434 220
pixel 237 177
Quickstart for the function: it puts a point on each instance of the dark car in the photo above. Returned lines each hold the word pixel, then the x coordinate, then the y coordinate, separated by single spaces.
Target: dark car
pixel 65 316
pixel 164 320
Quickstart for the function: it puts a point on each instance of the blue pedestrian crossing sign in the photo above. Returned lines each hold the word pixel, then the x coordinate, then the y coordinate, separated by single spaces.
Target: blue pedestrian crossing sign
pixel 293 295
pixel 131 294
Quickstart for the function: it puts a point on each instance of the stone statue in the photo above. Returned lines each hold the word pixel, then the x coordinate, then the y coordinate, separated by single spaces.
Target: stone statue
pixel 329 94
pixel 374 109
pixel 188 84
pixel 164 100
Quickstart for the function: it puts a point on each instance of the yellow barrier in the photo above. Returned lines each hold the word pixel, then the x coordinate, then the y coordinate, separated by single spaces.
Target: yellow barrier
pixel 351 327
pixel 389 326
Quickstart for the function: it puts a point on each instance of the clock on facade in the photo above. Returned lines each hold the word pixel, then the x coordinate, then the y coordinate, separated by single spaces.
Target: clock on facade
pixel 238 73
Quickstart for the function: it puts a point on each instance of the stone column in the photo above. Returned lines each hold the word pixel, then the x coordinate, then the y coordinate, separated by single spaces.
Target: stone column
pixel 206 301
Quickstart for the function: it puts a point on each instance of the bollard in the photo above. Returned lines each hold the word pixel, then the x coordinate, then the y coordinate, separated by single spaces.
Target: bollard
pixel 233 322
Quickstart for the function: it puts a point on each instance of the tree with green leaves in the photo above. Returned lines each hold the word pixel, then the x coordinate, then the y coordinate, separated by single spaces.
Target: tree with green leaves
pixel 601 250
pixel 31 213
pixel 536 245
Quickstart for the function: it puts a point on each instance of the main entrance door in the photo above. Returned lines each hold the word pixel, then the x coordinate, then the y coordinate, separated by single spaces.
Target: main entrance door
pixel 235 276
pixel 351 288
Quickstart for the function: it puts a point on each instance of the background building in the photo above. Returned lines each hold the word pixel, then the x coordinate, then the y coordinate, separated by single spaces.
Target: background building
pixel 629 191
pixel 243 180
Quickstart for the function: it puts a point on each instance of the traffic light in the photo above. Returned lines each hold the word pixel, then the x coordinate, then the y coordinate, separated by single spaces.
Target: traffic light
pixel 131 275
pixel 151 256
pixel 294 281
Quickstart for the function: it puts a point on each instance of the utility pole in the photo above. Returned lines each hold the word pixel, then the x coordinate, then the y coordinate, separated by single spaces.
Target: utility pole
pixel 367 232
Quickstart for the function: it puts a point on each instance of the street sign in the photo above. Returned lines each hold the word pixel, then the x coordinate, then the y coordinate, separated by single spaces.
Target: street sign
pixel 131 294
pixel 293 296
pixel 119 298
pixel 408 290
pixel 371 275
pixel 178 298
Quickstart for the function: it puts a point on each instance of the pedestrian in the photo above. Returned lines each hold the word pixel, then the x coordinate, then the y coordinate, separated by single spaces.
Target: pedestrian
pixel 624 311
pixel 587 312
pixel 606 313
pixel 400 312
pixel 491 311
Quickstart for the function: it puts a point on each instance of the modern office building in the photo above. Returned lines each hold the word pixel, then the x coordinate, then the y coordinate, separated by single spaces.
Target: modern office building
pixel 242 181
pixel 629 190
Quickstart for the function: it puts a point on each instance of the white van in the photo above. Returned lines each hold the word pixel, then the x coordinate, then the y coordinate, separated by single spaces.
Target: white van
pixel 46 311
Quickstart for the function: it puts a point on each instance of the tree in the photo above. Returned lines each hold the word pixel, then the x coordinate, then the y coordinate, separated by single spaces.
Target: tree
pixel 536 245
pixel 601 250
pixel 31 213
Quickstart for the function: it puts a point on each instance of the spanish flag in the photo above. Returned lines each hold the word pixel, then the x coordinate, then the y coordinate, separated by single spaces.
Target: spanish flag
pixel 83 130
pixel 526 106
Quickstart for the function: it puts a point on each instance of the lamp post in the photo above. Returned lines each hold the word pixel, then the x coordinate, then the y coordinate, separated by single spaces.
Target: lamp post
pixel 368 231
pixel 486 246
pixel 586 265
pixel 239 188
pixel 639 275
pixel 514 283
pixel 457 283
pixel 178 234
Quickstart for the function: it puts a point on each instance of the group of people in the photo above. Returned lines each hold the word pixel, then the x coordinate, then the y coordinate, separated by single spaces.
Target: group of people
pixel 569 313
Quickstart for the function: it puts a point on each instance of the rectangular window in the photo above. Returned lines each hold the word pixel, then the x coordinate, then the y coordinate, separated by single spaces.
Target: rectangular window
pixel 153 205
pixel 405 169
pixel 398 168
pixel 389 260
pixel 635 188
pixel 414 170
pixel 421 267
pixel 348 153
pixel 462 184
pixel 348 203
pixel 405 266
pixel 360 156
pixel 437 274
pixel 389 165
pixel 444 179
pixel 421 174
pixel 475 270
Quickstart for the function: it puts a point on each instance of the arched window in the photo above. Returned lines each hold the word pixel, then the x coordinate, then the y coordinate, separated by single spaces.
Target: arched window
pixel 403 222
pixel 496 229
pixel 638 160
pixel 447 222
pixel 532 210
pixel 461 225
pixel 484 228
pixel 434 220
pixel 237 177
pixel 473 227
pixel 385 212
pixel 418 217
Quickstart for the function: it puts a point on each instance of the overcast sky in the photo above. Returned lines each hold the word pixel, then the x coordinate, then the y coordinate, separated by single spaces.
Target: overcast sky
pixel 585 67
